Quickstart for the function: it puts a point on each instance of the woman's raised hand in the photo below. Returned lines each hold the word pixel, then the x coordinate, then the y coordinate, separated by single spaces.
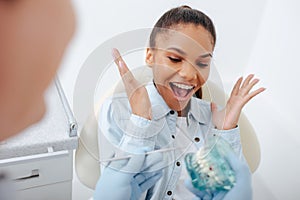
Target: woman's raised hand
pixel 228 117
pixel 137 93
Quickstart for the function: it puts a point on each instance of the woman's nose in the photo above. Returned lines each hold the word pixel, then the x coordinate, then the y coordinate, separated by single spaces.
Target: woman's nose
pixel 188 71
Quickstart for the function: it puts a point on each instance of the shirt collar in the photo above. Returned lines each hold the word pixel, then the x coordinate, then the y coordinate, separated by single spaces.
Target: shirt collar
pixel 159 106
pixel 197 110
pixel 161 109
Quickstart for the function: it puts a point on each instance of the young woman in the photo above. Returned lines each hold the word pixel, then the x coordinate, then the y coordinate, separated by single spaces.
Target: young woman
pixel 164 113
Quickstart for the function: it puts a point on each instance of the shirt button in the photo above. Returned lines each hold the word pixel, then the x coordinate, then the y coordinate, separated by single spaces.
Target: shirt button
pixel 178 163
pixel 169 193
pixel 197 139
pixel 172 112
pixel 173 136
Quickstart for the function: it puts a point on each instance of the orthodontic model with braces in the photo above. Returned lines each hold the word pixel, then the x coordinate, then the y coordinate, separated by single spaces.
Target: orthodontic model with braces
pixel 208 168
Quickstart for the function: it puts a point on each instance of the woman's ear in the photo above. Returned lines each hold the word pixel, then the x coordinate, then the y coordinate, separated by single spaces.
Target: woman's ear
pixel 149 57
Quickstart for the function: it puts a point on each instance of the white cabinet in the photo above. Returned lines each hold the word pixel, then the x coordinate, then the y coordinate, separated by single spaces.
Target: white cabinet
pixel 40 159
pixel 42 176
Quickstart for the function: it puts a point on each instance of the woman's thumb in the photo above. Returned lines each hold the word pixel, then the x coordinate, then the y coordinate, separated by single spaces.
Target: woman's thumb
pixel 213 107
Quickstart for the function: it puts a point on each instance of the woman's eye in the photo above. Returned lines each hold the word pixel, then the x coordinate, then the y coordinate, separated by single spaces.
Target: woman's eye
pixel 202 65
pixel 174 60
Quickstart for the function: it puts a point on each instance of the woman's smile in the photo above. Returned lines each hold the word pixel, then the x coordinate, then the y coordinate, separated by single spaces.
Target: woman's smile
pixel 182 91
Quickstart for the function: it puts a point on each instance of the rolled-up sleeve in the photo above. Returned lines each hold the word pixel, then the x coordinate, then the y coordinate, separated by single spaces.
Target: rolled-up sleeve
pixel 140 133
pixel 127 131
pixel 232 136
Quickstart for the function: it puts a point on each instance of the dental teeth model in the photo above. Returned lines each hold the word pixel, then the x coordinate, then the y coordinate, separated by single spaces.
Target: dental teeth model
pixel 208 168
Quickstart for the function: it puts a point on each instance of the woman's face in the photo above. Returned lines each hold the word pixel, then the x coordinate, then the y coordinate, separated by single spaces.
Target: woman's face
pixel 181 63
pixel 33 37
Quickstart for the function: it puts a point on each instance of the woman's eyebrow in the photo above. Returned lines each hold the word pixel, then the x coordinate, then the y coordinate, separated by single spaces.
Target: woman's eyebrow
pixel 206 55
pixel 180 51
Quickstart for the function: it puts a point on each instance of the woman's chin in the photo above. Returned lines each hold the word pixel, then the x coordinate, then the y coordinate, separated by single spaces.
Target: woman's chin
pixel 179 104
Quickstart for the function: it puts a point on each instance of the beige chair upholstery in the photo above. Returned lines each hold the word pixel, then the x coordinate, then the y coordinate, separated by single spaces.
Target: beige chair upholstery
pixel 87 155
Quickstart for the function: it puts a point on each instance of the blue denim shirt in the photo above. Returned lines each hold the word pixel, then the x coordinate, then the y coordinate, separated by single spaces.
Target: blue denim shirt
pixel 129 132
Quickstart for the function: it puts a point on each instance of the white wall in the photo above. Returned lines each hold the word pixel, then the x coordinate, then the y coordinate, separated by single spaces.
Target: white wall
pixel 257 36
pixel 274 58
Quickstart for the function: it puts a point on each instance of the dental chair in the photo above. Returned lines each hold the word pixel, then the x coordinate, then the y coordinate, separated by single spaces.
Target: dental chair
pixel 87 154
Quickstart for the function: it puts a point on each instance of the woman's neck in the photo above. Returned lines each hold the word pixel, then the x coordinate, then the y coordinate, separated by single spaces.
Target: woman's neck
pixel 184 112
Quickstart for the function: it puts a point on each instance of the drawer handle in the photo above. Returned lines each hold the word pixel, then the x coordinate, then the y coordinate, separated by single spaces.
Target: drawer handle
pixel 34 174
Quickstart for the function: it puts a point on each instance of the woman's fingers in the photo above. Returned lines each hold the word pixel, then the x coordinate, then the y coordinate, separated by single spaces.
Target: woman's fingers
pixel 123 69
pixel 236 87
pixel 248 87
pixel 247 80
pixel 136 92
pixel 128 79
pixel 119 62
pixel 254 93
pixel 244 88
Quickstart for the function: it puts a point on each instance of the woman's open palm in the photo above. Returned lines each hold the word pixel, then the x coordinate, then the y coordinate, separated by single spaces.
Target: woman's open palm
pixel 137 93
pixel 228 117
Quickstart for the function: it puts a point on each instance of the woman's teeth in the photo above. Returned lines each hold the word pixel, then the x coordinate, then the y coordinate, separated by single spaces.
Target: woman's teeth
pixel 183 86
pixel 181 90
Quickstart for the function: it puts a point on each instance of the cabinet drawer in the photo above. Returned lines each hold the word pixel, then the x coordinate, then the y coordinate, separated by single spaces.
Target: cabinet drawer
pixel 57 191
pixel 40 169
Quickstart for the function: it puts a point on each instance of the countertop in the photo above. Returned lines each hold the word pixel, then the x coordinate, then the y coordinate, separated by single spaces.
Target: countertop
pixel 51 131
